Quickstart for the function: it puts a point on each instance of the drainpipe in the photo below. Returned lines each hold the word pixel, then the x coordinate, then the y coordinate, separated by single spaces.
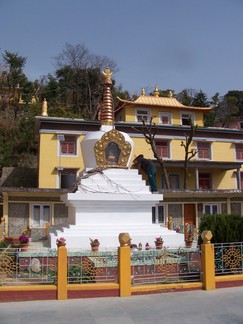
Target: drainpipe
pixel 196 178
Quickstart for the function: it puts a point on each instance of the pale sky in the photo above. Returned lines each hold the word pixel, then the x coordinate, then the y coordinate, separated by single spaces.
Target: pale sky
pixel 176 44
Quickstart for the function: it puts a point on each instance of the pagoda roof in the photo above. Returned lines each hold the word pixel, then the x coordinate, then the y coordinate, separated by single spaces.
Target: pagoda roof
pixel 156 101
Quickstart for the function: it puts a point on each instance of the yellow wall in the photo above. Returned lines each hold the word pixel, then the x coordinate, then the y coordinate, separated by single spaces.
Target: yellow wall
pixel 129 114
pixel 49 159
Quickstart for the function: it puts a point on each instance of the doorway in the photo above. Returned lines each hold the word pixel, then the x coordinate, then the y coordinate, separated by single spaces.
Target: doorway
pixel 190 214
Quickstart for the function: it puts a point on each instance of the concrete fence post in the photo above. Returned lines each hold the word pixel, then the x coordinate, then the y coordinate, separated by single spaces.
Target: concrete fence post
pixel 61 272
pixel 208 261
pixel 124 265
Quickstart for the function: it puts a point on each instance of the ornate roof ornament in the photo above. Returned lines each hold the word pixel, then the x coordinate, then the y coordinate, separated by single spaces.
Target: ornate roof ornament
pixel 143 92
pixel 106 116
pixel 156 91
pixel 170 95
pixel 44 108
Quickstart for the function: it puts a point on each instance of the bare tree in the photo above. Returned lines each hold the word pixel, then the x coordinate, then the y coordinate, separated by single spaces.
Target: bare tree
pixel 189 154
pixel 149 131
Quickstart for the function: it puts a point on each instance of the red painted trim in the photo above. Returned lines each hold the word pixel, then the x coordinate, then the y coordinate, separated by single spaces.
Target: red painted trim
pixel 93 293
pixel 160 291
pixel 10 296
pixel 226 284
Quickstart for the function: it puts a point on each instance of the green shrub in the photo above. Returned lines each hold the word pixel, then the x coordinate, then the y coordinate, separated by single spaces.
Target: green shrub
pixel 224 227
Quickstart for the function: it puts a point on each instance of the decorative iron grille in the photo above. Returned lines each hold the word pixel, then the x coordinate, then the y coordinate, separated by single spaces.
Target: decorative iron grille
pixel 165 266
pixel 228 258
pixel 90 267
pixel 32 267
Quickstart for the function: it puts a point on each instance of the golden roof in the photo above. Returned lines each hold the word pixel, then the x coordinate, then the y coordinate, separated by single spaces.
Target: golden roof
pixel 160 102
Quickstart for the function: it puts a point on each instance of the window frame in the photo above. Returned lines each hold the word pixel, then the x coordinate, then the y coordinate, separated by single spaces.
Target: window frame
pixel 191 116
pixel 175 175
pixel 203 150
pixel 66 171
pixel 42 222
pixel 68 143
pixel 165 114
pixel 211 207
pixel 168 156
pixel 147 114
pixel 239 151
pixel 158 218
pixel 209 177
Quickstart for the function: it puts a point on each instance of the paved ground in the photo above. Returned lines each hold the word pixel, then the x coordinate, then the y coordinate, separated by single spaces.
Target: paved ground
pixel 217 306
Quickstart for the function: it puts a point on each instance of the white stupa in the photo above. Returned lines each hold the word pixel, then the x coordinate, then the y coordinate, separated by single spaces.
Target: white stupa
pixel 111 198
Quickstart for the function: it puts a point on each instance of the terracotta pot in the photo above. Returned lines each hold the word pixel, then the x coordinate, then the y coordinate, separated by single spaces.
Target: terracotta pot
pixel 158 245
pixel 24 247
pixel 95 246
pixel 189 243
pixel 14 240
pixel 61 244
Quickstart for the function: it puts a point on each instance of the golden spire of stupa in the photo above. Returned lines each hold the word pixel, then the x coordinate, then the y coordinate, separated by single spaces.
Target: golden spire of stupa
pixel 106 116
pixel 156 91
pixel 44 108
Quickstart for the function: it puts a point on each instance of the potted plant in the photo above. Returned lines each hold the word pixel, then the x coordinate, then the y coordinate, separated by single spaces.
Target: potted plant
pixel 24 242
pixel 61 241
pixel 94 243
pixel 158 243
pixel 189 235
pixel 189 240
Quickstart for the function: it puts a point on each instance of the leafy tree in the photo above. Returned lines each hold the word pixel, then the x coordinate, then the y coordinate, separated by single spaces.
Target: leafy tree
pixel 200 100
pixel 14 77
pixel 78 83
pixel 224 227
pixel 209 118
pixel 186 96
pixel 227 110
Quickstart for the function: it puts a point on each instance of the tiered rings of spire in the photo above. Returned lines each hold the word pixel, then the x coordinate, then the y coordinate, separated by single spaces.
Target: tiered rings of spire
pixel 106 116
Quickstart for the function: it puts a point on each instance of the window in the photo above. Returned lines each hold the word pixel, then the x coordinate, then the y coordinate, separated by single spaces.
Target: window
pixel 68 145
pixel 174 180
pixel 239 151
pixel 187 118
pixel 210 209
pixel 68 178
pixel 204 150
pixel 41 215
pixel 204 181
pixel 164 118
pixel 158 216
pixel 142 114
pixel 162 148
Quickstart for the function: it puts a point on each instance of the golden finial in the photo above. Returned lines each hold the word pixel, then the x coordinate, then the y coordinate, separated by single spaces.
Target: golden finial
pixel 107 75
pixel 44 108
pixel 106 115
pixel 156 91
pixel 143 92
pixel 170 94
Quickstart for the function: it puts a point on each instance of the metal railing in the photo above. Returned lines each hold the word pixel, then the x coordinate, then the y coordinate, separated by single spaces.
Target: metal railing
pixel 228 258
pixel 90 267
pixel 165 266
pixel 27 268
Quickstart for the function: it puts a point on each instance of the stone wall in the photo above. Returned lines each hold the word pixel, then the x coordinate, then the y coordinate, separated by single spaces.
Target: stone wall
pixel 18 218
pixel 60 214
pixel 175 210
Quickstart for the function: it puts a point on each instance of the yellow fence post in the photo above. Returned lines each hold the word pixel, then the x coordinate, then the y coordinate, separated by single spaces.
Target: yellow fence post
pixel 124 265
pixel 61 272
pixel 208 261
